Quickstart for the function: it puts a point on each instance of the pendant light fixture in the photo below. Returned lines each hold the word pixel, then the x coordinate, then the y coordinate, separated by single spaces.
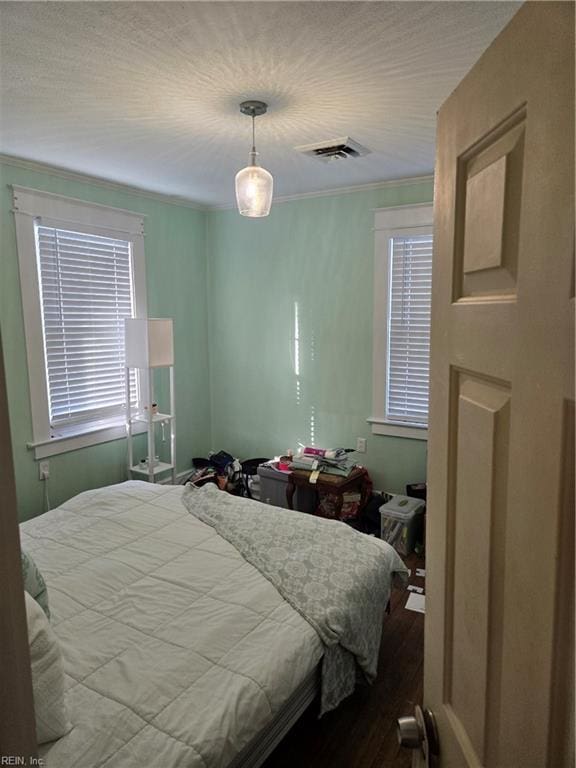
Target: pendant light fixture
pixel 254 184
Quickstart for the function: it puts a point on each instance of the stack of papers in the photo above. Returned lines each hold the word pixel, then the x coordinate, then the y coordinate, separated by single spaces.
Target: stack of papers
pixel 416 602
pixel 416 599
pixel 337 463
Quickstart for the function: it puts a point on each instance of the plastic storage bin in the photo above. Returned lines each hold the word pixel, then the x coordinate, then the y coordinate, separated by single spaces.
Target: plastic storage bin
pixel 273 491
pixel 399 522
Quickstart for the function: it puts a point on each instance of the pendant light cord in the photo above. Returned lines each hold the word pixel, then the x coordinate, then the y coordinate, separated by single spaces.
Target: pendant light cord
pixel 253 152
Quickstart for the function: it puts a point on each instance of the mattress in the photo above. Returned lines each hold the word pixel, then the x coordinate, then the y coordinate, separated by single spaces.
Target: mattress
pixel 177 652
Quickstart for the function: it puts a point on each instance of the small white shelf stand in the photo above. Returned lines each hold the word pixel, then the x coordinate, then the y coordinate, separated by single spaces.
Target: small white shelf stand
pixel 149 346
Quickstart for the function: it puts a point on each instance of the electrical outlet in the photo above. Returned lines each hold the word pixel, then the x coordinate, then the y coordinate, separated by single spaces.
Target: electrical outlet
pixel 44 470
pixel 361 444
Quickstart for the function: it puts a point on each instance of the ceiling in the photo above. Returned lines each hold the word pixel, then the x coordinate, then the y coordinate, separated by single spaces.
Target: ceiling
pixel 147 93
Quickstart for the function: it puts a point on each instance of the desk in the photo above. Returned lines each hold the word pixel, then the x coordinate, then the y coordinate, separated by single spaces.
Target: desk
pixel 358 479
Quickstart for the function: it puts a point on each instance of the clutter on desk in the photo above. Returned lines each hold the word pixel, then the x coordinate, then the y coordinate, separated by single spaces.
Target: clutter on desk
pixel 265 480
pixel 281 464
pixel 332 461
pixel 284 464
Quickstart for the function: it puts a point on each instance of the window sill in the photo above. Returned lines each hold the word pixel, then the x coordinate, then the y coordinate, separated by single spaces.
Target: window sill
pixel 82 439
pixel 382 427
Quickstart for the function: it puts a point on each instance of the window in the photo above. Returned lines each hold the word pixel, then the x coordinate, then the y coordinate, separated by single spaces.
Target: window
pixel 86 291
pixel 81 269
pixel 401 346
pixel 408 348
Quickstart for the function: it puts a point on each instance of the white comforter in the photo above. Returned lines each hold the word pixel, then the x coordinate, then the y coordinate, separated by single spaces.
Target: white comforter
pixel 177 651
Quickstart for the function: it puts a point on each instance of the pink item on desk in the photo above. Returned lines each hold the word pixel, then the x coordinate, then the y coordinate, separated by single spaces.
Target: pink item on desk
pixel 284 464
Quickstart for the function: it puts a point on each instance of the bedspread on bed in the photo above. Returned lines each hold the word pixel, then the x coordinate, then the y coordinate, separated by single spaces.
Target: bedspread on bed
pixel 177 652
pixel 337 578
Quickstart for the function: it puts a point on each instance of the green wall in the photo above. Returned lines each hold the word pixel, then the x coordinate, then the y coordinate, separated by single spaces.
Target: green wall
pixel 176 277
pixel 317 252
pixel 231 284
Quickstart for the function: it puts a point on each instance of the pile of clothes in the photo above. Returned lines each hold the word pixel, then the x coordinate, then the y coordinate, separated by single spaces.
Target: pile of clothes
pixel 220 468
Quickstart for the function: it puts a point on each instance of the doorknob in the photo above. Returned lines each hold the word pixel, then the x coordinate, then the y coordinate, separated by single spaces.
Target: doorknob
pixel 420 732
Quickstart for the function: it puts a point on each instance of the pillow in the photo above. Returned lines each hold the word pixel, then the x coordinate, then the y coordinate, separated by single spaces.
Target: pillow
pixel 34 582
pixel 47 675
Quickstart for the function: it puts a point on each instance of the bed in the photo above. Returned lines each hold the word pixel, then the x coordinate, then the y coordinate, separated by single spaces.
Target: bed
pixel 176 648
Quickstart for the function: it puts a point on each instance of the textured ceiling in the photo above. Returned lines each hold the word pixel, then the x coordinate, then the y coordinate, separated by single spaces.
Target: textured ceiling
pixel 147 93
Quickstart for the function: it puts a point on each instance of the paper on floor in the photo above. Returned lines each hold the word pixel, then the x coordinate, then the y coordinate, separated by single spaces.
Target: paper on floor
pixel 412 588
pixel 416 602
pixel 421 572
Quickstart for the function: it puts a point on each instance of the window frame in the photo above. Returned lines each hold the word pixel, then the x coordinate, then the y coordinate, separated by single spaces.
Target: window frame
pixel 390 222
pixel 30 207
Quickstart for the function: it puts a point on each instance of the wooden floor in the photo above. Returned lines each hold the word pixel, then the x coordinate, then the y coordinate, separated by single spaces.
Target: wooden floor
pixel 361 733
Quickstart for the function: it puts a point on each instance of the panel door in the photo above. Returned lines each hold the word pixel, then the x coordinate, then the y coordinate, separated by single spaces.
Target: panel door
pixel 500 578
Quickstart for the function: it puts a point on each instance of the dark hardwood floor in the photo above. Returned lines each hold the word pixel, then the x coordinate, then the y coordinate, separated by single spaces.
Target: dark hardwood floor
pixel 361 733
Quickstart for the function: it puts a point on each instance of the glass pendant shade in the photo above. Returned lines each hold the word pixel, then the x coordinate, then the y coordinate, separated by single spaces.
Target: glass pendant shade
pixel 254 187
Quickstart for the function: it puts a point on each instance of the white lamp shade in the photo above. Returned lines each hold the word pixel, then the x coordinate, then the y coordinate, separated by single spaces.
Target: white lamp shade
pixel 149 342
pixel 254 186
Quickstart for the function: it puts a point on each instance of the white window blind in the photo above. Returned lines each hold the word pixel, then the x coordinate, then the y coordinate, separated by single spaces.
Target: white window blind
pixel 408 348
pixel 87 289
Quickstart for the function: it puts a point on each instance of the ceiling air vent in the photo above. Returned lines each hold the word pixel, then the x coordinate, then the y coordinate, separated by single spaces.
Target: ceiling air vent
pixel 334 149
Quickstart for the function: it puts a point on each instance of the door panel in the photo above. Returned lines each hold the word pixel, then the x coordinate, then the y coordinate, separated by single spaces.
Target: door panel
pixel 488 201
pixel 476 537
pixel 501 462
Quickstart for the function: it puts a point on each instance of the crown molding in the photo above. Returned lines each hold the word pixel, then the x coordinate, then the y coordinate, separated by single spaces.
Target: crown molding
pixel 34 165
pixel 63 173
pixel 402 182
